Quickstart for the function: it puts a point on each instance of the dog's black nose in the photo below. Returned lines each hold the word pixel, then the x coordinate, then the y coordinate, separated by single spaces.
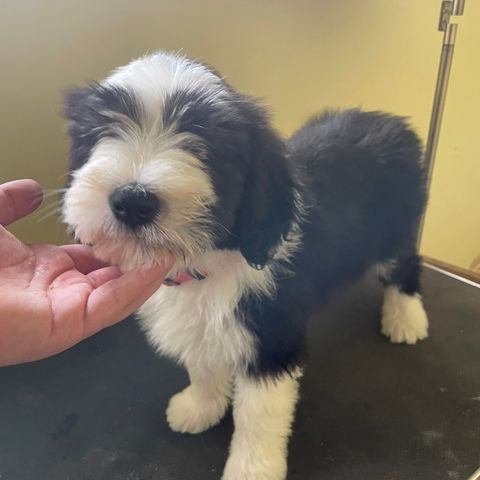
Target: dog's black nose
pixel 134 205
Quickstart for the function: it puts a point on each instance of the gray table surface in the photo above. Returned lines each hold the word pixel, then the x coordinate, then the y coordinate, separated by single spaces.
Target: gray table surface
pixel 368 409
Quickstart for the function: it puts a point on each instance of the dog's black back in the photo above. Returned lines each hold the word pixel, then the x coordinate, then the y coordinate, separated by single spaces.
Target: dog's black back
pixel 362 185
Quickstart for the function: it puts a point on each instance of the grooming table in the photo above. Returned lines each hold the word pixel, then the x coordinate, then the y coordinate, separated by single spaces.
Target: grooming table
pixel 368 410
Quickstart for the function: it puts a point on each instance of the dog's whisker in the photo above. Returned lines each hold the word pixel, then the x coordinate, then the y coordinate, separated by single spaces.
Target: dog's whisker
pixel 45 215
pixel 47 194
pixel 46 208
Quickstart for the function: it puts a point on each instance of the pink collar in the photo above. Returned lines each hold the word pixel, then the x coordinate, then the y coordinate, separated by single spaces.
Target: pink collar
pixel 184 277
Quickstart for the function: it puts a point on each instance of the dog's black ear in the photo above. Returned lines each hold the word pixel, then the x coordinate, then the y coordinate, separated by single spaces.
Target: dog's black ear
pixel 91 112
pixel 80 110
pixel 267 208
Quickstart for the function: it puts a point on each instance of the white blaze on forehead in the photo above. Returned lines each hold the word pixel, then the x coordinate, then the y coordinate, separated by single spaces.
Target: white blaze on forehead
pixel 154 77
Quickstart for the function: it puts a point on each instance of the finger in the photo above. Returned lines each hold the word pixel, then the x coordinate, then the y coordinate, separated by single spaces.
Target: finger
pixel 120 297
pixel 103 275
pixel 12 250
pixel 18 199
pixel 83 258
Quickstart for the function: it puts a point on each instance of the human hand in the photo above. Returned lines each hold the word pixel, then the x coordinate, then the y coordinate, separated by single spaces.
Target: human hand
pixel 53 297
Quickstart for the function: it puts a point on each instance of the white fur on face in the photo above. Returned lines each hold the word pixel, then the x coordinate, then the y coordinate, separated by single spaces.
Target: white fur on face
pixel 175 176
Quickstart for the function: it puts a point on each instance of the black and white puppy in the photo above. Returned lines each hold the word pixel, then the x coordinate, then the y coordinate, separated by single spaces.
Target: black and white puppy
pixel 167 157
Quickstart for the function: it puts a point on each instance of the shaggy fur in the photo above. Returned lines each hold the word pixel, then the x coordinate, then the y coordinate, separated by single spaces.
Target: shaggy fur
pixel 167 157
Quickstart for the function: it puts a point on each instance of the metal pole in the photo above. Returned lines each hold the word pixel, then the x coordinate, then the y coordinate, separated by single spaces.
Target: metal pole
pixel 443 75
pixel 448 8
pixel 458 6
pixel 475 475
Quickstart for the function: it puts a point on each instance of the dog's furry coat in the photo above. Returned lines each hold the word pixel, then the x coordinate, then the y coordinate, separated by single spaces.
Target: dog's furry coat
pixel 166 156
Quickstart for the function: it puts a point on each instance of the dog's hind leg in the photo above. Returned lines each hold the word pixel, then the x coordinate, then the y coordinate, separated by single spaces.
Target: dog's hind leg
pixel 203 403
pixel 403 317
pixel 263 410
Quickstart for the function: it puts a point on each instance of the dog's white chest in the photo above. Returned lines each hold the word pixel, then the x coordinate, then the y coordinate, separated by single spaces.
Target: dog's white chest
pixel 197 322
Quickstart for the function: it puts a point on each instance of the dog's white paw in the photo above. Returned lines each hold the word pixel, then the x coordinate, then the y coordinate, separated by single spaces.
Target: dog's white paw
pixel 251 467
pixel 403 318
pixel 190 412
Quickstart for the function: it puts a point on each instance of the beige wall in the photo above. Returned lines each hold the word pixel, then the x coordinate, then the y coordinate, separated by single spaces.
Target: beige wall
pixel 452 226
pixel 299 55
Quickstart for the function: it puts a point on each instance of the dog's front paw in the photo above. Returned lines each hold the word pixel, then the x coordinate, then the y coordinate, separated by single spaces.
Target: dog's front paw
pixel 403 318
pixel 251 467
pixel 189 412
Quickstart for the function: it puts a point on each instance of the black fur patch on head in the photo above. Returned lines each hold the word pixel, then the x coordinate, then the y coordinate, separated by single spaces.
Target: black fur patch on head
pixel 223 146
pixel 248 166
pixel 92 112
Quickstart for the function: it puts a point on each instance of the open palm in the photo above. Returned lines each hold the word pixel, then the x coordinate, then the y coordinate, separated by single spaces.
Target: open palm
pixel 52 297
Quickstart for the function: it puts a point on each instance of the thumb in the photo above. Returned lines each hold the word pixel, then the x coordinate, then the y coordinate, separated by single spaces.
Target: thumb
pixel 120 297
pixel 17 199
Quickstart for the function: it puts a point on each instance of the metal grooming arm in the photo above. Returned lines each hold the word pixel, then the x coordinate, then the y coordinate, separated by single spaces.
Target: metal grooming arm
pixel 447 10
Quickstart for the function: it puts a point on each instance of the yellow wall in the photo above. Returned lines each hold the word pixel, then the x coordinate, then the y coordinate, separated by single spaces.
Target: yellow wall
pixel 452 226
pixel 299 55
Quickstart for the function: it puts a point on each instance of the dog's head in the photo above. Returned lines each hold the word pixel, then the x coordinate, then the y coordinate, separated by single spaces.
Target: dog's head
pixel 166 157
